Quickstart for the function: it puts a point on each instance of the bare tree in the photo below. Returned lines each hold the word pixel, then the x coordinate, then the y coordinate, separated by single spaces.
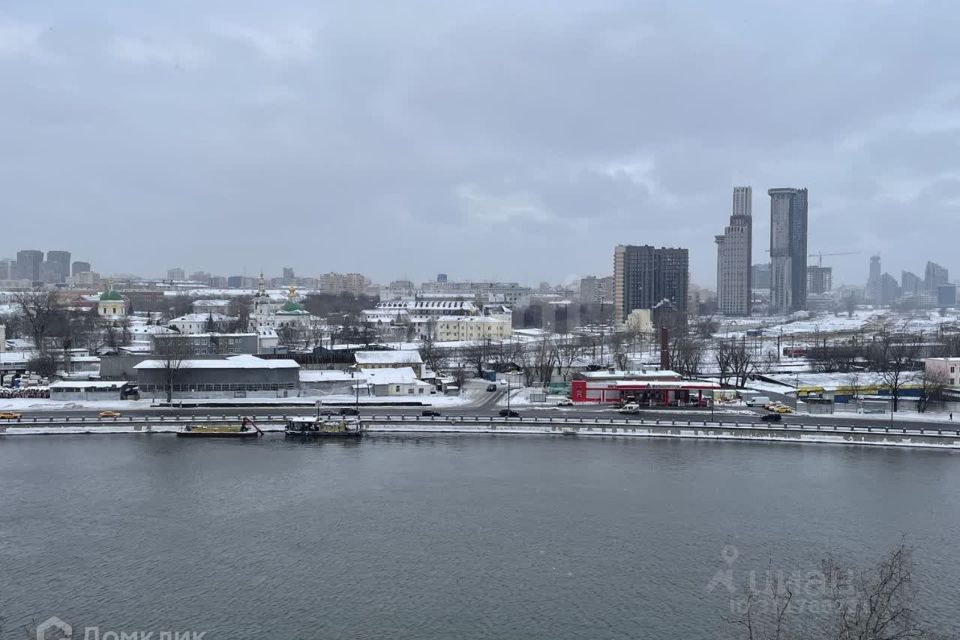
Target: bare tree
pixel 686 355
pixel 173 353
pixel 433 356
pixel 40 310
pixel 569 349
pixel 723 359
pixel 894 356
pixel 932 384
pixel 239 308
pixel 873 604
pixel 741 363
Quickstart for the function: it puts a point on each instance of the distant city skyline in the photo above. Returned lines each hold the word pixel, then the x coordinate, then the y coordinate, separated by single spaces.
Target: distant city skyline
pixel 221 138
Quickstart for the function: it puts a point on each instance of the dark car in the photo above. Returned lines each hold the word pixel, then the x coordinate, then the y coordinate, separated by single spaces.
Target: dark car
pixel 509 413
pixel 491 387
pixel 347 411
pixel 430 413
pixel 772 417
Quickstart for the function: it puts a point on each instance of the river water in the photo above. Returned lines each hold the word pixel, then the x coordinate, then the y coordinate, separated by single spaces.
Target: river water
pixel 443 537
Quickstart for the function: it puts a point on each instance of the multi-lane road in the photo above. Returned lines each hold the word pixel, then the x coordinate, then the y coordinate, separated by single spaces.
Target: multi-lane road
pixel 489 406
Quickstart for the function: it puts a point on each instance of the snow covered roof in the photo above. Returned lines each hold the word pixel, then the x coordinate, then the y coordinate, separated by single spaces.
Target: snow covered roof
pixel 202 317
pixel 331 375
pixel 244 361
pixel 387 357
pixel 88 384
pixel 399 375
pixel 652 374
pixel 476 319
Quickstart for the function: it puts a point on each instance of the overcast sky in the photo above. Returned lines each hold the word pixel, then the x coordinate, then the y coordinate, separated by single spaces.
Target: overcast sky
pixel 515 140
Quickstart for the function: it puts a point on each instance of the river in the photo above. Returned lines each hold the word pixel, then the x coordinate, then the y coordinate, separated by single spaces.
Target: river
pixel 442 537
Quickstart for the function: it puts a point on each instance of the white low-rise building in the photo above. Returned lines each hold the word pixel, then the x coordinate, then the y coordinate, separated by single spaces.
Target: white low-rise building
pixel 454 328
pixel 201 323
pixel 402 381
pixel 948 369
pixel 389 360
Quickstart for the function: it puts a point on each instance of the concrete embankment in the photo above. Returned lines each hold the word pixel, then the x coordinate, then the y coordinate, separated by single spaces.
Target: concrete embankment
pixel 567 427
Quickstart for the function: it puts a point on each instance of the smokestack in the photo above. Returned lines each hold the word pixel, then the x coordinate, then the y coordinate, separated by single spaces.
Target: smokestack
pixel 664 349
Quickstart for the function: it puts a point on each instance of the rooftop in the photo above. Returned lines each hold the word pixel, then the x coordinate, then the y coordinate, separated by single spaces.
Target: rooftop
pixel 232 362
pixel 400 375
pixel 387 357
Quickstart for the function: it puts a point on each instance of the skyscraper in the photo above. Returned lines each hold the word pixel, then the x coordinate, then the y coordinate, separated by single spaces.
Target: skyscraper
pixel 59 265
pixel 819 279
pixel 80 267
pixel 934 276
pixel 28 265
pixel 788 250
pixel 176 274
pixel 910 283
pixel 874 281
pixel 644 277
pixel 734 256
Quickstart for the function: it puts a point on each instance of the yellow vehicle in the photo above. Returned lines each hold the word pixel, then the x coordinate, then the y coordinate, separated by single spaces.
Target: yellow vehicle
pixel 10 415
pixel 783 409
pixel 106 413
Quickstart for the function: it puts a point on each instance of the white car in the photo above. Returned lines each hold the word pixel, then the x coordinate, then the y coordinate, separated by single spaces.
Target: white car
pixel 566 402
pixel 630 407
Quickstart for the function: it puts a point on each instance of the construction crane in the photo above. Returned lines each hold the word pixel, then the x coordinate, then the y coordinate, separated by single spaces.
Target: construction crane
pixel 819 256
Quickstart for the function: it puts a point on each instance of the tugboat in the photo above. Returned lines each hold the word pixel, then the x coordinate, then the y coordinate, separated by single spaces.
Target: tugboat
pixel 309 427
pixel 221 431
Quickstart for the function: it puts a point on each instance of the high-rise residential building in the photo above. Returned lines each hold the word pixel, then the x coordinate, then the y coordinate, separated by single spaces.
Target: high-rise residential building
pixel 760 276
pixel 595 290
pixel 889 289
pixel 934 276
pixel 79 267
pixel 234 282
pixel 819 280
pixel 645 276
pixel 28 265
pixel 947 295
pixel 288 277
pixel 354 283
pixel 874 281
pixel 59 265
pixel 176 274
pixel 441 277
pixel 910 283
pixel 6 269
pixel 788 250
pixel 734 257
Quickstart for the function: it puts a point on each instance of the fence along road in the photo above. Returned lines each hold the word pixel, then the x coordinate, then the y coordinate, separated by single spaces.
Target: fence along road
pixel 542 425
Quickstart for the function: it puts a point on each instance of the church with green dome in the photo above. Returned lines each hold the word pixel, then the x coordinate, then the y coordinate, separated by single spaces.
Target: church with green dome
pixel 111 304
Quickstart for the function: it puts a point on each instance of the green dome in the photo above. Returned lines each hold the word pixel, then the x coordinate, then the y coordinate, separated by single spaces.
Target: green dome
pixel 290 307
pixel 110 295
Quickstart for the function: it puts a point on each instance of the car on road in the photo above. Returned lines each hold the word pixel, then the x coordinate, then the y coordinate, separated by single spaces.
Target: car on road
pixel 430 413
pixel 782 408
pixel 349 411
pixel 772 417
pixel 566 402
pixel 491 387
pixel 509 413
pixel 10 415
pixel 107 413
pixel 757 401
pixel 630 407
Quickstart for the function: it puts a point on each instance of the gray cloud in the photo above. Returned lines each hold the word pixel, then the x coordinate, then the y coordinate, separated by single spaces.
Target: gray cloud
pixel 510 140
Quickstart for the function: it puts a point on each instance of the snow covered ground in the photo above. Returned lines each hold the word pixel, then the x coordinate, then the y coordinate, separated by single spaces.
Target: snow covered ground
pixel 469 396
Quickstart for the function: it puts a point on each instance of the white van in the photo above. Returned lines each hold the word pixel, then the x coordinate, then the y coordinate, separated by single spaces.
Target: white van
pixel 758 401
